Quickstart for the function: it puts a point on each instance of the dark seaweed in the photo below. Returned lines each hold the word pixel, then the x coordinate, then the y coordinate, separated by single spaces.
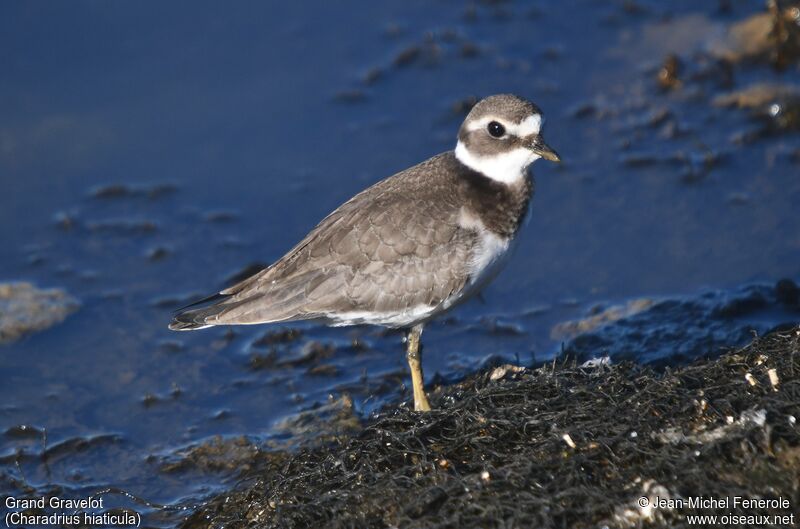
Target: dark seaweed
pixel 562 445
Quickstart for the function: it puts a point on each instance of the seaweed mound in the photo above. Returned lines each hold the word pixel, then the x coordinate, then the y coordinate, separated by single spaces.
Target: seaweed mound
pixel 563 445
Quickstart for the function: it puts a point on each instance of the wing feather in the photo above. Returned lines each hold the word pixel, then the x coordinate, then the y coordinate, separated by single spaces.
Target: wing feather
pixel 395 246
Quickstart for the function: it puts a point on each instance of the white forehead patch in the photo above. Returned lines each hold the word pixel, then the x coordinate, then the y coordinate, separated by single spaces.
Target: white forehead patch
pixel 530 125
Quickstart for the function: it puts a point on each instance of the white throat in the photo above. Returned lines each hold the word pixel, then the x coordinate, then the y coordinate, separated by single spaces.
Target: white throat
pixel 507 168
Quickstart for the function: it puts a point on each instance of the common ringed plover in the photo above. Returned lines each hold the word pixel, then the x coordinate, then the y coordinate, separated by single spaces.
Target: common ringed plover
pixel 408 248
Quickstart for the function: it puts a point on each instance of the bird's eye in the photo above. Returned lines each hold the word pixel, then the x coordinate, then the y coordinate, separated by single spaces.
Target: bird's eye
pixel 496 129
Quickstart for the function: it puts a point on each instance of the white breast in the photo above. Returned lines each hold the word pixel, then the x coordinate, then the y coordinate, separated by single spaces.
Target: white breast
pixel 488 256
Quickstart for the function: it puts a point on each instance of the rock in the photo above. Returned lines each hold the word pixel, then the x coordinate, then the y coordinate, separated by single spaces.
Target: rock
pixel 777 105
pixel 758 96
pixel 571 329
pixel 116 191
pixel 787 292
pixel 773 36
pixel 746 39
pixel 679 329
pixel 500 372
pixel 218 454
pixel 353 95
pixel 332 420
pixel 25 309
pixel 669 74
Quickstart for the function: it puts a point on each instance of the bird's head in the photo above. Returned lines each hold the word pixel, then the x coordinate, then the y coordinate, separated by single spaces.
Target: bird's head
pixel 501 137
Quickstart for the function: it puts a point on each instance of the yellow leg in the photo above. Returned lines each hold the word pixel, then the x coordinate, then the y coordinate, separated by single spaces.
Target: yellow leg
pixel 414 357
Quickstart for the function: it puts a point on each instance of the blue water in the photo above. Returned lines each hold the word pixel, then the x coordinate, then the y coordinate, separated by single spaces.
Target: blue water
pixel 258 118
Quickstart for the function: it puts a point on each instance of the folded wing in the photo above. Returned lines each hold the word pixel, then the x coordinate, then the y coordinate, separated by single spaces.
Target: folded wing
pixel 384 257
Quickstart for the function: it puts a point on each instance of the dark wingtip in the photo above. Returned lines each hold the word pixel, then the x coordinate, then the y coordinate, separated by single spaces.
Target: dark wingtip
pixel 178 325
pixel 197 318
pixel 187 321
pixel 203 301
pixel 190 320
